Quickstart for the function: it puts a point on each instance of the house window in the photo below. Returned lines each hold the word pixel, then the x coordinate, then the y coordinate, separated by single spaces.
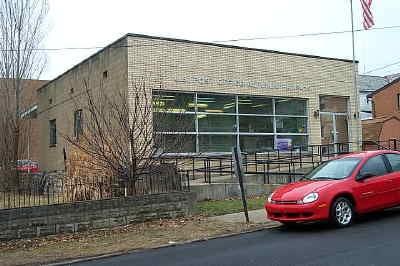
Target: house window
pixel 78 123
pixel 398 101
pixel 105 74
pixel 373 109
pixel 53 132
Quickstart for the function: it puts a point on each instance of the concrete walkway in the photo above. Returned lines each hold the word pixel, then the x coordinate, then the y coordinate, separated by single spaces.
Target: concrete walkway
pixel 256 216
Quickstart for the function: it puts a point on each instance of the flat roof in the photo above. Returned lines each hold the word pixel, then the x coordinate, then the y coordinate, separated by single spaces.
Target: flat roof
pixel 143 36
pixel 235 47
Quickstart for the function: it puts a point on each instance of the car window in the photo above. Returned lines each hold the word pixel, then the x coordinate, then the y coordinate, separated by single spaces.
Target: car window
pixel 394 160
pixel 375 166
pixel 335 169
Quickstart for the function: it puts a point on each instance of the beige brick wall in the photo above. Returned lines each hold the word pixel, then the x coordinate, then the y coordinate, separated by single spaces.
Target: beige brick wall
pixel 197 67
pixel 112 59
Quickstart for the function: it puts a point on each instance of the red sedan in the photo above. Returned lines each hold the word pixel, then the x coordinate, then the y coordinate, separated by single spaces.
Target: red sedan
pixel 339 189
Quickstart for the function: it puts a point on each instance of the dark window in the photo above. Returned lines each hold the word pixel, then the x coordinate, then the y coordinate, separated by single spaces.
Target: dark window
pixel 290 107
pixel 375 166
pixel 252 124
pixel 216 123
pixel 53 132
pixel 256 143
pixel 78 123
pixel 394 160
pixel 173 102
pixel 172 122
pixel 398 101
pixel 254 105
pixel 212 103
pixel 176 142
pixel 105 74
pixel 291 124
pixel 373 109
pixel 71 90
pixel 216 143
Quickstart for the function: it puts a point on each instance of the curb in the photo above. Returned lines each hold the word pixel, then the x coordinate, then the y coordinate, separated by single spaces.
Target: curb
pixel 126 252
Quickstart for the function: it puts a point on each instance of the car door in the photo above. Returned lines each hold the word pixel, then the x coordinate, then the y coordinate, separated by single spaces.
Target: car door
pixel 394 162
pixel 372 193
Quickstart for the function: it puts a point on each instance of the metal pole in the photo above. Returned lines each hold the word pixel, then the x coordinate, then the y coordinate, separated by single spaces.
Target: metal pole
pixel 238 170
pixel 355 71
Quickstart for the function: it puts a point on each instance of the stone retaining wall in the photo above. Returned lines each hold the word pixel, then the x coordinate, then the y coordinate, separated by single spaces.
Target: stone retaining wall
pixel 85 215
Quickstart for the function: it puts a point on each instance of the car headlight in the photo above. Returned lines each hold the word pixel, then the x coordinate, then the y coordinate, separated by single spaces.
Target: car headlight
pixel 309 198
pixel 269 199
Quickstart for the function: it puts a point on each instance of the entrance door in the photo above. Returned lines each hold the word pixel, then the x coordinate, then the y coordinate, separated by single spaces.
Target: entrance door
pixel 334 130
pixel 334 124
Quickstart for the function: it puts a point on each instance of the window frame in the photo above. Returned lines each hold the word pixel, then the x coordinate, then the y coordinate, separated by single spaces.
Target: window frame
pixel 398 101
pixel 53 134
pixel 78 131
pixel 238 133
pixel 389 163
pixel 385 162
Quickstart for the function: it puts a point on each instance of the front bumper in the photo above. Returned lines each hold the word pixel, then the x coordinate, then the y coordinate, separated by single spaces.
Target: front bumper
pixel 315 211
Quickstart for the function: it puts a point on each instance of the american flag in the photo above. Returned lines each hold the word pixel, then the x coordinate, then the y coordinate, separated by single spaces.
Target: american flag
pixel 367 14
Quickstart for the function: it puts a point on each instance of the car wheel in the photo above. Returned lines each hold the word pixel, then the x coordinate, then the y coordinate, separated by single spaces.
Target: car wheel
pixel 342 212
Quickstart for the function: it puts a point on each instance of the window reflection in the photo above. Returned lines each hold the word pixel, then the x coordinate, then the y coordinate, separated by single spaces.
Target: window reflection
pixel 253 124
pixel 254 105
pixel 216 103
pixel 290 106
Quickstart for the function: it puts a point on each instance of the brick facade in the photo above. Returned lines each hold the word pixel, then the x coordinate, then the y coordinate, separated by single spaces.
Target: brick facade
pixel 193 66
pixel 385 124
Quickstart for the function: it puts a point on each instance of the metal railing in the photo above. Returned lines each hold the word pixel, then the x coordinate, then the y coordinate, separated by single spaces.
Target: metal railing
pixel 38 190
pixel 271 166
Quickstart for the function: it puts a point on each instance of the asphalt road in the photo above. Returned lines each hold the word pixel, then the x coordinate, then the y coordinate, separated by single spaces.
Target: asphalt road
pixel 372 240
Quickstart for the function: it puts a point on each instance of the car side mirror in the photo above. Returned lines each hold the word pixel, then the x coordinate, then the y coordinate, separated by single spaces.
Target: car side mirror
pixel 361 177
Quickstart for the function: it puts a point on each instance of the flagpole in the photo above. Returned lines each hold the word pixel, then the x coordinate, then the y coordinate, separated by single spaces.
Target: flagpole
pixel 356 114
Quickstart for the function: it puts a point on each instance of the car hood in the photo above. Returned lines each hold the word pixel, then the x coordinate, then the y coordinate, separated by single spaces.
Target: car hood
pixel 297 190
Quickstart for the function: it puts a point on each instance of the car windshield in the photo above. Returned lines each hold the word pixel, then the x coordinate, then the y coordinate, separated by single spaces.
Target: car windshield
pixel 335 169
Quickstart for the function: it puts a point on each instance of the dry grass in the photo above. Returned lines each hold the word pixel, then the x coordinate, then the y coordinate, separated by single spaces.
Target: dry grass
pixel 144 235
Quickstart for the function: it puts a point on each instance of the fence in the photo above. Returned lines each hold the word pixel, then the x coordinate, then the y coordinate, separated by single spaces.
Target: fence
pixel 35 190
pixel 272 166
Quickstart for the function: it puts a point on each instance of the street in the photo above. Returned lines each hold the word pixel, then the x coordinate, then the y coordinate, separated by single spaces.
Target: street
pixel 372 240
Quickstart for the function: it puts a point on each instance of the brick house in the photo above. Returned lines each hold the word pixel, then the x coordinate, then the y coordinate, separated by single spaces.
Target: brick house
pixel 385 124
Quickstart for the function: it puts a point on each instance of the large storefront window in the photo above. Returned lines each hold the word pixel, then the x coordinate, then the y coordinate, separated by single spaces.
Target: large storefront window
pixel 256 143
pixel 255 105
pixel 216 122
pixel 291 124
pixel 211 103
pixel 173 102
pixel 177 143
pixel 256 124
pixel 173 122
pixel 216 143
pixel 295 140
pixel 290 107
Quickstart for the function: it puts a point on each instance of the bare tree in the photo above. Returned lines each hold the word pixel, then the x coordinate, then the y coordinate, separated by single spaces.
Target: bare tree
pixel 21 35
pixel 117 132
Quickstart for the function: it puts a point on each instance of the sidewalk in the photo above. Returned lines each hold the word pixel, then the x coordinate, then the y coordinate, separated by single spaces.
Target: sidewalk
pixel 123 239
pixel 255 217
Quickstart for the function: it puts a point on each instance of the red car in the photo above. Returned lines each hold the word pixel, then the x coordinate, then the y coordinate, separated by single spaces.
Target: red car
pixel 339 189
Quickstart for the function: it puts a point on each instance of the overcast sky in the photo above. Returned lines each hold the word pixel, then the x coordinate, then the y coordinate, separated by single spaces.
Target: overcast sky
pixel 94 23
